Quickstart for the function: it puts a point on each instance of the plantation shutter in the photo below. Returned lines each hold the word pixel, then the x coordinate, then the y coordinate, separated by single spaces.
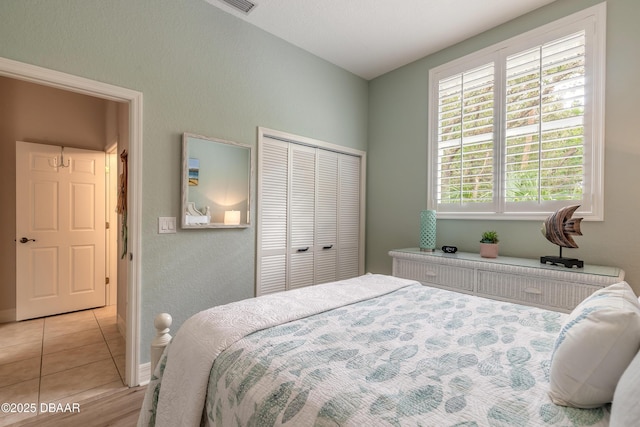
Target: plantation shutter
pixel 544 136
pixel 516 130
pixel 466 138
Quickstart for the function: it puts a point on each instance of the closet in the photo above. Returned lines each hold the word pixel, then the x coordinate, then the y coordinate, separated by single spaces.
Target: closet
pixel 310 212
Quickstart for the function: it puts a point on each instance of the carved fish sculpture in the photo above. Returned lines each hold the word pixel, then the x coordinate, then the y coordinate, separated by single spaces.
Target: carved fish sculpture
pixel 559 227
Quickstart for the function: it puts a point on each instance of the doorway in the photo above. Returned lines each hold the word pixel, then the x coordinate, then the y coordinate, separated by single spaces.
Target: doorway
pixel 133 101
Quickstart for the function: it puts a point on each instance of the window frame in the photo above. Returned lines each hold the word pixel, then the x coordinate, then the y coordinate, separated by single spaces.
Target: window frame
pixel 593 22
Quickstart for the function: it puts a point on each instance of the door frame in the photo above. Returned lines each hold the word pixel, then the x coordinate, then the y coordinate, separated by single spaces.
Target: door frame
pixel 111 234
pixel 46 77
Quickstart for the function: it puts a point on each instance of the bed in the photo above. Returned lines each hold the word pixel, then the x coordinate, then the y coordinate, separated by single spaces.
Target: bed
pixel 373 350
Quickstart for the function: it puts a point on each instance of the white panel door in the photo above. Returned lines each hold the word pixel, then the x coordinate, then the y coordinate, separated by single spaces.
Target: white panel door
pixel 273 180
pixel 60 226
pixel 326 248
pixel 302 200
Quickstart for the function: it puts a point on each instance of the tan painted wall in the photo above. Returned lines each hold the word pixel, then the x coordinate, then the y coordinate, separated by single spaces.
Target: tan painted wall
pixel 34 113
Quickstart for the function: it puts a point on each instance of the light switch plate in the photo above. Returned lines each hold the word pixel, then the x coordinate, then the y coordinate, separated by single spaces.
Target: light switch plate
pixel 166 224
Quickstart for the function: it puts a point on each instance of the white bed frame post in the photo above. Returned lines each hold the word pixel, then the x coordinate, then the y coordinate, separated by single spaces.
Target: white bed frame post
pixel 162 338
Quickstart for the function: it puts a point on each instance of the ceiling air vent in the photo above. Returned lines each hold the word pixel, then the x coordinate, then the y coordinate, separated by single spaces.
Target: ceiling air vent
pixel 244 6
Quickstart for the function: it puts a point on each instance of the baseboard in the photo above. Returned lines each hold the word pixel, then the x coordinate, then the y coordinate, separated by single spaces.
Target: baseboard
pixel 8 315
pixel 144 373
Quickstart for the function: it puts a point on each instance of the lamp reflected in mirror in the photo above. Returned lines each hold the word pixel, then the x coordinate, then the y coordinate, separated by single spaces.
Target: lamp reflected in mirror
pixel 231 217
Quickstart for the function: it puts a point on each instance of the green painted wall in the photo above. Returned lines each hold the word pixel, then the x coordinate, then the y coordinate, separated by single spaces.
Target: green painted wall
pixel 397 154
pixel 203 71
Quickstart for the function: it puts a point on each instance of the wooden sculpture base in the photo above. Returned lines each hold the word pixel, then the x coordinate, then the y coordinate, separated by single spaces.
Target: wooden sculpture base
pixel 567 262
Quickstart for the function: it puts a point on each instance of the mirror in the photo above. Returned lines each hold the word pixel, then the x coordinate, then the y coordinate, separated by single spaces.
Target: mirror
pixel 216 183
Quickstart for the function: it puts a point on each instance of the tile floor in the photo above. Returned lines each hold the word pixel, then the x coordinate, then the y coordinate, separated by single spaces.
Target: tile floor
pixel 60 359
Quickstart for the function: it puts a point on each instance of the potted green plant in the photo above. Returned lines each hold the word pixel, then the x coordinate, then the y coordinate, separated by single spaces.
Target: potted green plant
pixel 489 244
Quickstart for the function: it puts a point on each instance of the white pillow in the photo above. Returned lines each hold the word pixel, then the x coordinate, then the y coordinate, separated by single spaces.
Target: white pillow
pixel 625 410
pixel 595 345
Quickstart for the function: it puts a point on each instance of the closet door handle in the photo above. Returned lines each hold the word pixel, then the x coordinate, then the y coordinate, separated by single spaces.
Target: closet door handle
pixel 303 249
pixel 327 247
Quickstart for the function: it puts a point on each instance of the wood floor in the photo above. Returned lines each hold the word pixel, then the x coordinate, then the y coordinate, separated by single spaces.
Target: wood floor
pixel 117 408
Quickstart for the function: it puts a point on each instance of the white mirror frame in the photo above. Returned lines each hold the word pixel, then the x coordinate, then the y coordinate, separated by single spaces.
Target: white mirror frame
pixel 194 217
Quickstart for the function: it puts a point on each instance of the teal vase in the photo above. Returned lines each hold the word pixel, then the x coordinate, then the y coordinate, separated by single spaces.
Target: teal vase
pixel 428 231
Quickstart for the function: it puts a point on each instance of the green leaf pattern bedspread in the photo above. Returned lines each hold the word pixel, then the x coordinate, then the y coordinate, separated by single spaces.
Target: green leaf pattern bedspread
pixel 418 356
pixel 177 390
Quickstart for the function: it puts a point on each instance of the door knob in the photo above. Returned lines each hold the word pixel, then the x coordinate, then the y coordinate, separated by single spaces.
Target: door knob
pixel 25 240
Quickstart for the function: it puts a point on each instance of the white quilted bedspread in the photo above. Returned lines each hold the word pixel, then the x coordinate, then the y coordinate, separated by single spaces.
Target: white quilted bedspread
pixel 370 351
pixel 189 358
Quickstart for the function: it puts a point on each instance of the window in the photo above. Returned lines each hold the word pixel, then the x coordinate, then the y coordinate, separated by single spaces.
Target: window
pixel 517 129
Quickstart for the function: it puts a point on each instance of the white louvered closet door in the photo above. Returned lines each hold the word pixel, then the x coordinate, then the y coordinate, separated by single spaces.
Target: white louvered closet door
pixel 273 188
pixel 349 217
pixel 326 229
pixel 309 214
pixel 302 204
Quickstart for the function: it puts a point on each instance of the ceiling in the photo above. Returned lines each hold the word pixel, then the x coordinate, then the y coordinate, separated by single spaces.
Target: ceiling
pixel 372 37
